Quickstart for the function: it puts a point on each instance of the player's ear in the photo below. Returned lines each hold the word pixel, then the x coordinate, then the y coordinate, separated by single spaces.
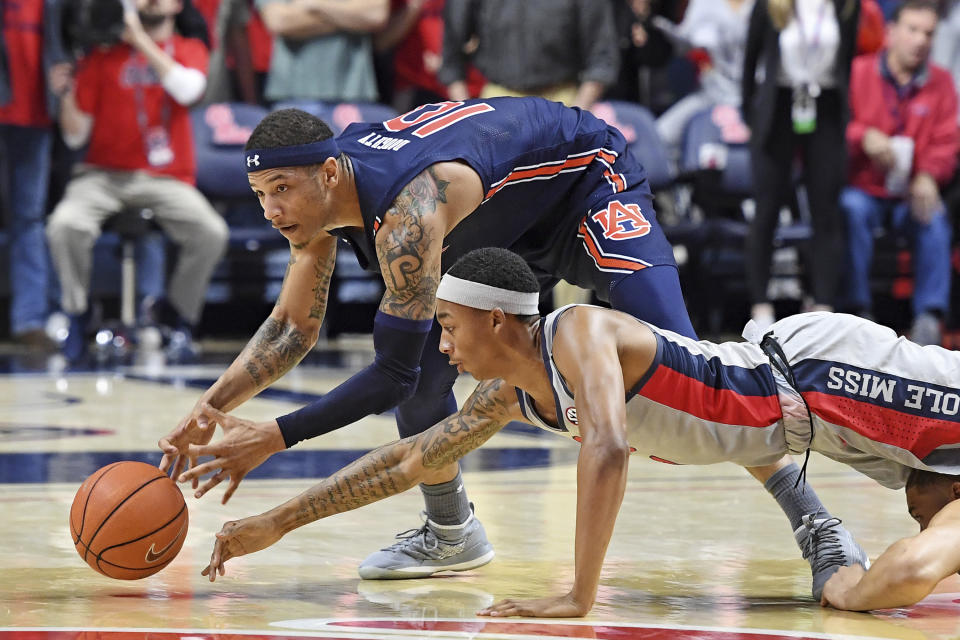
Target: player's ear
pixel 955 490
pixel 497 318
pixel 329 172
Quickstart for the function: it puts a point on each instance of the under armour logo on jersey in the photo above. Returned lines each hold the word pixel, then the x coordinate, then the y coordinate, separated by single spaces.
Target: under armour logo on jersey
pixel 254 160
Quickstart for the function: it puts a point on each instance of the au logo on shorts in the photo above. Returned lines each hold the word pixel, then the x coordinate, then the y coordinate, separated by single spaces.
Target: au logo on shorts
pixel 622 221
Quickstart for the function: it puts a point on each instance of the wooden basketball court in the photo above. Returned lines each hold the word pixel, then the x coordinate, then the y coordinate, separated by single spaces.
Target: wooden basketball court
pixel 699 553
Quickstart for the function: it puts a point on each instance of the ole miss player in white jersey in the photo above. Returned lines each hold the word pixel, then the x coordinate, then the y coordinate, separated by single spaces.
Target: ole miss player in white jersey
pixel 620 386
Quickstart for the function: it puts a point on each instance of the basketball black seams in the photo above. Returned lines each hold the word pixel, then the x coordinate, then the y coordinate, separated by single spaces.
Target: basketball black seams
pixel 183 507
pixel 89 542
pixel 83 515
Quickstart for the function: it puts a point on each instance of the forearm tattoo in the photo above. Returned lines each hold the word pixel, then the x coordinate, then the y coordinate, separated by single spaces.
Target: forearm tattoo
pixel 483 414
pixel 323 270
pixel 275 349
pixel 404 245
pixel 379 474
pixel 373 477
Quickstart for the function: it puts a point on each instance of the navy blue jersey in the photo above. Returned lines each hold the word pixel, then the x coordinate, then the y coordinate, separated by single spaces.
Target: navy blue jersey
pixel 543 167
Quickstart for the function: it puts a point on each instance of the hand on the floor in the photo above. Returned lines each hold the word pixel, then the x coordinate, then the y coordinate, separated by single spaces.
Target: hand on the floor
pixel 196 428
pixel 238 538
pixel 244 446
pixel 839 585
pixel 556 607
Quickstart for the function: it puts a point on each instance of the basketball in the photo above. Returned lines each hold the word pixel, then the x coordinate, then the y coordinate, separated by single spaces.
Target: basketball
pixel 128 520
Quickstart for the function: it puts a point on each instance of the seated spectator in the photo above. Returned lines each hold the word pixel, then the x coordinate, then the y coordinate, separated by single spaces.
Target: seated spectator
pixel 129 101
pixel 322 49
pixel 903 143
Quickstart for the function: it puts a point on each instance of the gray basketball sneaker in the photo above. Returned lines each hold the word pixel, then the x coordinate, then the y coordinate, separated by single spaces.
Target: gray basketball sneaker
pixel 420 553
pixel 827 546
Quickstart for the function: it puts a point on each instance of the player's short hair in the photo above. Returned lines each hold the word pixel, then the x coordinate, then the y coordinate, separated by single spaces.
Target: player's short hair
pixel 915 5
pixel 288 127
pixel 920 478
pixel 499 268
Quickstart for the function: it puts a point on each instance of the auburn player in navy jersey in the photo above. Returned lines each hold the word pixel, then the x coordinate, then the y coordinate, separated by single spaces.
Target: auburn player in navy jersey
pixel 412 195
pixel 837 384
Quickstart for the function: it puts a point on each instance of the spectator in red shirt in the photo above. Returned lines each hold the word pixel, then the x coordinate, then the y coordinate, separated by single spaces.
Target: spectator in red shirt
pixel 129 101
pixel 33 70
pixel 903 143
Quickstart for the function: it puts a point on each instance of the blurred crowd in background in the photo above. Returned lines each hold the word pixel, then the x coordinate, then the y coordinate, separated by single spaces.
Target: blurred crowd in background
pixel 803 152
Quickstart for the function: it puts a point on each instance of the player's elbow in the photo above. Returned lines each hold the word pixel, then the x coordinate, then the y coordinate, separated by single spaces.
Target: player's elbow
pixel 611 453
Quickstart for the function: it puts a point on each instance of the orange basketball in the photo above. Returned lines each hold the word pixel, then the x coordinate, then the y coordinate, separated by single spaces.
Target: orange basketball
pixel 128 520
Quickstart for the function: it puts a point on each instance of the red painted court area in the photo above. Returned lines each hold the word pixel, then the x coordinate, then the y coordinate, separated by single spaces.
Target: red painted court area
pixel 440 628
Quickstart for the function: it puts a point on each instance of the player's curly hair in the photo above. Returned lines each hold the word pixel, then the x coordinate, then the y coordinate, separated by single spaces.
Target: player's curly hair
pixel 499 268
pixel 287 127
pixel 920 478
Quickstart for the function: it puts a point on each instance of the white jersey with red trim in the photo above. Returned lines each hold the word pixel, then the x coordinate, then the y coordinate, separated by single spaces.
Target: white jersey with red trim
pixel 700 402
pixel 878 402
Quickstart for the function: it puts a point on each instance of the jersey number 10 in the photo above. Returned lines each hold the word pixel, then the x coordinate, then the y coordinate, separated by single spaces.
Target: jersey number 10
pixel 435 116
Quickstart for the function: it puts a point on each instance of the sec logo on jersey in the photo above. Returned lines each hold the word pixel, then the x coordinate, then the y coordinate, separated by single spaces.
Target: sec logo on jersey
pixel 571 414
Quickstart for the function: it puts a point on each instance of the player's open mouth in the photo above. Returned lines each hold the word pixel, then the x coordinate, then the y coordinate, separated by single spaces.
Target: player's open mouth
pixel 290 228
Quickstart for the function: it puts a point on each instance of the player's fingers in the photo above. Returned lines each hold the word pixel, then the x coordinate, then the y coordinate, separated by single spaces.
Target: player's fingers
pixel 198 470
pixel 165 462
pixel 178 464
pixel 234 483
pixel 210 484
pixel 216 558
pixel 166 446
pixel 195 451
pixel 499 608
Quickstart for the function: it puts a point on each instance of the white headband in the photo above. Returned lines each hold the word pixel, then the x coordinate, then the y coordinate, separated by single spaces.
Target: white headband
pixel 483 296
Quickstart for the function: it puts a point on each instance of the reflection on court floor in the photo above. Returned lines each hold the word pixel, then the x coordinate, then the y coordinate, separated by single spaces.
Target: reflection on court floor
pixel 698 553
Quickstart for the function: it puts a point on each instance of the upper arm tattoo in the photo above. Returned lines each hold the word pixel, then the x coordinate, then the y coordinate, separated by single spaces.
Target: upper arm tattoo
pixel 408 248
pixel 483 414
pixel 275 349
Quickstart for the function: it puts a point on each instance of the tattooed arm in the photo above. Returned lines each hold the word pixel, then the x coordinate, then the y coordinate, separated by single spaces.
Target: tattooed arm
pixel 384 472
pixel 283 339
pixel 409 242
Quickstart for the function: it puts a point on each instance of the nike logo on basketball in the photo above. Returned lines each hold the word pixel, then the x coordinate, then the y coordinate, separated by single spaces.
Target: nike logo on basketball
pixel 153 555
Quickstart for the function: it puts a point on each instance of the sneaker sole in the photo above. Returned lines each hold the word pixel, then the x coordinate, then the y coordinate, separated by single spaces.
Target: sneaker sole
pixel 380 573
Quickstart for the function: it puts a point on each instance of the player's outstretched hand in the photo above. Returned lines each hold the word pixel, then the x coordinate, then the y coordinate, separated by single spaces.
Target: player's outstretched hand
pixel 244 446
pixel 238 538
pixel 196 428
pixel 839 585
pixel 565 606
